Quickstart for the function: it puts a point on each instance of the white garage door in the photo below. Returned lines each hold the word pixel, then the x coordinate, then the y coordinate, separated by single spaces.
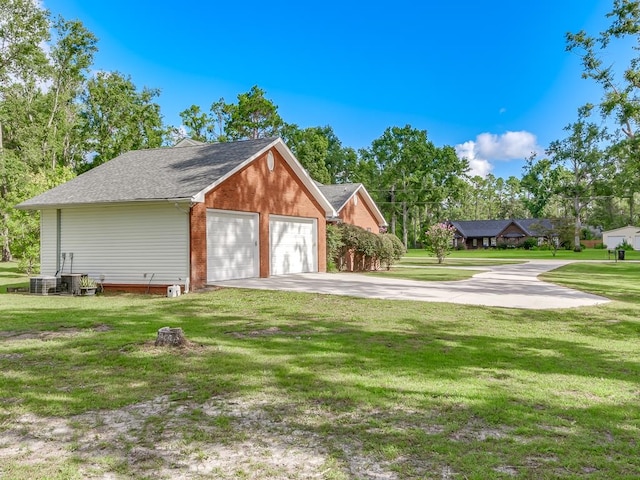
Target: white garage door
pixel 232 245
pixel 613 242
pixel 293 245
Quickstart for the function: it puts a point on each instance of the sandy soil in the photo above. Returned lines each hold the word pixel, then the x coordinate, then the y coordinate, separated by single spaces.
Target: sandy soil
pixel 224 438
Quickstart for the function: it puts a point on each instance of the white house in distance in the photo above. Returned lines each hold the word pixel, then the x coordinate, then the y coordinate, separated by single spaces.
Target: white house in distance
pixel 630 234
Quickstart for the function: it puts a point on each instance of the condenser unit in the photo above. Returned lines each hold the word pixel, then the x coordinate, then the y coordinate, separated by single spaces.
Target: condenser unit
pixel 43 285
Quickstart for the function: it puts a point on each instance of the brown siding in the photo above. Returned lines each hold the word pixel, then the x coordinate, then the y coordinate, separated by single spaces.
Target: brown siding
pixel 256 189
pixel 513 229
pixel 359 215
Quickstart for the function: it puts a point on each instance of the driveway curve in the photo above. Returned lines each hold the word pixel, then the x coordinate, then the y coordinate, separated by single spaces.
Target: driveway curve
pixel 511 286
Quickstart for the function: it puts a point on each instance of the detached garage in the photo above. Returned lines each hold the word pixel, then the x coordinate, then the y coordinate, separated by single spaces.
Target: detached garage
pixel 189 215
pixel 628 234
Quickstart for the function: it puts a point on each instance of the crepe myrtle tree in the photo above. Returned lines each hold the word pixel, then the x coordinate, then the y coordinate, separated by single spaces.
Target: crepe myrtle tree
pixel 440 240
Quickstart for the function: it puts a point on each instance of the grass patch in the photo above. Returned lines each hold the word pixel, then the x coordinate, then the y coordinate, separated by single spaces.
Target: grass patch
pixel 523 255
pixel 428 274
pixel 11 276
pixel 339 387
pixel 413 260
pixel 618 281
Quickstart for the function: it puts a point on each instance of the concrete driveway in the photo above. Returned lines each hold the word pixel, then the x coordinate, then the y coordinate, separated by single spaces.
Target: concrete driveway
pixel 513 286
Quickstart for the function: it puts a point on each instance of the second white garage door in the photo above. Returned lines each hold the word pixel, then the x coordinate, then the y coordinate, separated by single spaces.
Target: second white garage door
pixel 232 245
pixel 293 245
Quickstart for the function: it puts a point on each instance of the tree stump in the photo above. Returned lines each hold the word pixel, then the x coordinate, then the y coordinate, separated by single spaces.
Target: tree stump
pixel 170 337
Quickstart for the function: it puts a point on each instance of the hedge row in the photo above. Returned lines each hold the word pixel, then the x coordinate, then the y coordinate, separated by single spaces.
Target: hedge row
pixel 354 248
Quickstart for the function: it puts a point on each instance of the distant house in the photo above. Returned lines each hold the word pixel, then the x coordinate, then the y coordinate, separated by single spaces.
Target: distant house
pixel 354 205
pixel 628 234
pixel 472 234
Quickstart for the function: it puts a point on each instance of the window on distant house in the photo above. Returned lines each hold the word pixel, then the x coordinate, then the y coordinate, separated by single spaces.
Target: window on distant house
pixel 475 242
pixel 485 242
pixel 493 241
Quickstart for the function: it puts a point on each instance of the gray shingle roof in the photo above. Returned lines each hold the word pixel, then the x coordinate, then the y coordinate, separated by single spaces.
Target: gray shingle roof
pixel 492 228
pixel 532 225
pixel 339 194
pixel 155 174
pixel 481 228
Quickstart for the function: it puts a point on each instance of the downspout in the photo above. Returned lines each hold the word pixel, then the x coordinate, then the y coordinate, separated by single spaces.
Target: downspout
pixel 188 213
pixel 58 239
pixel 187 286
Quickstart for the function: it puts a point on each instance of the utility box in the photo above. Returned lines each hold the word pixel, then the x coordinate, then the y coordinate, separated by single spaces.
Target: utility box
pixel 173 291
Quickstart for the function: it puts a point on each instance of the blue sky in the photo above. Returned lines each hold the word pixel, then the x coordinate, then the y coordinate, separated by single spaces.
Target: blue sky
pixel 491 78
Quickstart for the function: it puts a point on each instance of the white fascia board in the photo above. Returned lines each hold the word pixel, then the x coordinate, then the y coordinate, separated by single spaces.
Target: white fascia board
pixel 48 206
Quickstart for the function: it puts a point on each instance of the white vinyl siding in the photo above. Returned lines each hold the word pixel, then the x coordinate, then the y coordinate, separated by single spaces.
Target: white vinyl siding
pixel 144 243
pixel 48 240
pixel 293 245
pixel 232 245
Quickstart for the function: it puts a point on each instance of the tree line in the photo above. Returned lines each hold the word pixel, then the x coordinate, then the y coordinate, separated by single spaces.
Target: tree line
pixel 58 119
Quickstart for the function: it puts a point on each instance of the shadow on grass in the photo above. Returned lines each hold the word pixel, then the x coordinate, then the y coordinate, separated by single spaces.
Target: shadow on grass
pixel 422 386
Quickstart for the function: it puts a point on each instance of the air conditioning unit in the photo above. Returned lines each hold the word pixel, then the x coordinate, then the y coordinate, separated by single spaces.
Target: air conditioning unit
pixel 43 285
pixel 70 282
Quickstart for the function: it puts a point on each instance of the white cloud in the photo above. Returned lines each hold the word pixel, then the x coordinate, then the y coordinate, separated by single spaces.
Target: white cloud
pixel 490 147
pixel 478 166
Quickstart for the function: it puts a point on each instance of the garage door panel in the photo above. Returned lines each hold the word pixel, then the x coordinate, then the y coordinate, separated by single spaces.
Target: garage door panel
pixel 293 245
pixel 232 245
pixel 614 241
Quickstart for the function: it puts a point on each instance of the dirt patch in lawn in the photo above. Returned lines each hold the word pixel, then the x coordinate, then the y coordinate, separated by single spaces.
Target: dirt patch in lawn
pixel 223 438
pixel 62 332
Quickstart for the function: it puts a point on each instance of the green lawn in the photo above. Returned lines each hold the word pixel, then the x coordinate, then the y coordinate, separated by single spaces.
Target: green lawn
pixel 429 274
pixel 10 276
pixel 422 259
pixel 521 254
pixel 288 385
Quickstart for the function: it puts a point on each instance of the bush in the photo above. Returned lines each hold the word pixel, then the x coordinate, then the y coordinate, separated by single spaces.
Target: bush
pixel 367 248
pixel 624 246
pixel 530 243
pixel 502 245
pixel 391 251
pixel 29 260
pixel 439 240
pixel 334 247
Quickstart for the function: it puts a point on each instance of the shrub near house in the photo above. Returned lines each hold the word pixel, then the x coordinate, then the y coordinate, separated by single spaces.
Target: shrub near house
pixel 357 249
